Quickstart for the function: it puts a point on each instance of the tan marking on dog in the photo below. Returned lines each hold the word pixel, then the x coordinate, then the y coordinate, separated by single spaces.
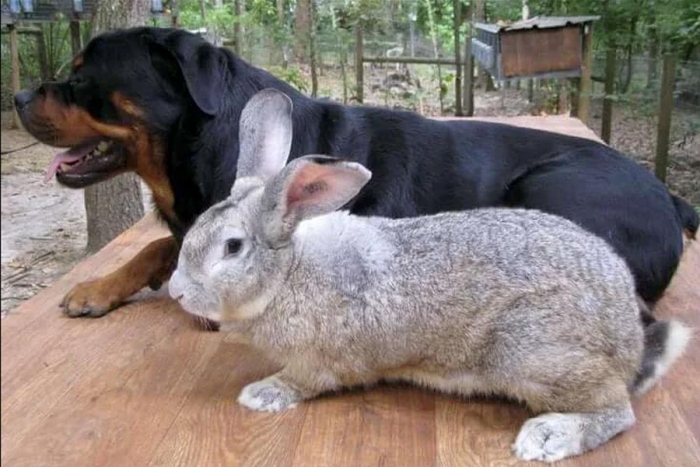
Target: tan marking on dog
pixel 152 266
pixel 78 62
pixel 72 125
pixel 146 156
pixel 127 106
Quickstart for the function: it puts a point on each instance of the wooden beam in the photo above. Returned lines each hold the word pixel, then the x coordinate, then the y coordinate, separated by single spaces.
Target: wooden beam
pixel 468 92
pixel 585 84
pixel 562 96
pixel 359 60
pixel 76 40
pixel 410 60
pixel 609 89
pixel 668 78
pixel 43 57
pixel 21 30
pixel 458 52
pixel 16 85
pixel 174 14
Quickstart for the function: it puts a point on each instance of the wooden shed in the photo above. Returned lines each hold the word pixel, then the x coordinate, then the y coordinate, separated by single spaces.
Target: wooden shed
pixel 540 47
pixel 45 11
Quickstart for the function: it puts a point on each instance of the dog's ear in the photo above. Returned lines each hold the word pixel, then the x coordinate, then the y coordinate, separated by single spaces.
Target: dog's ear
pixel 203 66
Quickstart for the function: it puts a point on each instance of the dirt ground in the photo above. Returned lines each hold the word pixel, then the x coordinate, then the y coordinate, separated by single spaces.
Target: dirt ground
pixel 43 224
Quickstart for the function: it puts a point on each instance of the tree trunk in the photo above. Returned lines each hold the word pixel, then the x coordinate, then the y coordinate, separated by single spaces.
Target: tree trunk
pixel 652 73
pixel 237 30
pixel 468 92
pixel 116 204
pixel 483 78
pixel 301 29
pixel 312 49
pixel 203 10
pixel 630 52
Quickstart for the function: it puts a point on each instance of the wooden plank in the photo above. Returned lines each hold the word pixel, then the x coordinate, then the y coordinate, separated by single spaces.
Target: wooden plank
pixel 585 84
pixel 609 90
pixel 477 432
pixel 552 123
pixel 14 63
pixel 457 17
pixel 382 426
pixel 468 92
pixel 213 429
pixel 144 386
pixel 118 393
pixel 76 40
pixel 538 51
pixel 410 60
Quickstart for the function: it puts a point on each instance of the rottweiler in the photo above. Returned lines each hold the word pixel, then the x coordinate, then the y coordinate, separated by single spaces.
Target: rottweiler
pixel 165 104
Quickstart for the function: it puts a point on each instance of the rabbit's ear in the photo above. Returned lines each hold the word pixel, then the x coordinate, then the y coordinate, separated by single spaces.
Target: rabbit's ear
pixel 265 134
pixel 309 186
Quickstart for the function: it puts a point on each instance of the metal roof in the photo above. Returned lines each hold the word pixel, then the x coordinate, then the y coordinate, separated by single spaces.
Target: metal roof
pixel 538 22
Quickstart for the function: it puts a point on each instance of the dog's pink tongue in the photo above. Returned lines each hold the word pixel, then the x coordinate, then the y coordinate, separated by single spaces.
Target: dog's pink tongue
pixel 72 155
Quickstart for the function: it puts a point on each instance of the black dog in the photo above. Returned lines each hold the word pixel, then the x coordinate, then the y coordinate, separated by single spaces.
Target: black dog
pixel 165 104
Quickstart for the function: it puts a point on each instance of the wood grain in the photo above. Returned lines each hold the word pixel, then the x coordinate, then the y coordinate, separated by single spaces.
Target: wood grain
pixel 381 426
pixel 144 386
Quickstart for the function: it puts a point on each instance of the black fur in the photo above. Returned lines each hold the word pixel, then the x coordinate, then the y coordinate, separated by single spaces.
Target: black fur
pixel 194 94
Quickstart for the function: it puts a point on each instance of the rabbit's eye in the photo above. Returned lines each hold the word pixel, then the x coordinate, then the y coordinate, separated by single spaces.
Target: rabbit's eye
pixel 233 246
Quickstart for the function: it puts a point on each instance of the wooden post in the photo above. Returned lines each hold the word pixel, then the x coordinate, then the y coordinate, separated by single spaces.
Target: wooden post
pixel 458 66
pixel 359 68
pixel 14 56
pixel 562 96
pixel 573 95
pixel 468 92
pixel 41 52
pixel 76 40
pixel 668 78
pixel 586 84
pixel 174 13
pixel 609 89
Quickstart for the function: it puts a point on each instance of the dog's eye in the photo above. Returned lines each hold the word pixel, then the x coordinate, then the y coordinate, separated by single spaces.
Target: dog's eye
pixel 233 246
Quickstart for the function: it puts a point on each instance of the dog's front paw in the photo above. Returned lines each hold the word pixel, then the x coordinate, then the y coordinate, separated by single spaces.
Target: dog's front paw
pixel 549 438
pixel 270 395
pixel 94 298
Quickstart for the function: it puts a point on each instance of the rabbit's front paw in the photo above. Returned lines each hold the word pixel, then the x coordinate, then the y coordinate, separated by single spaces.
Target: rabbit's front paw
pixel 549 438
pixel 270 395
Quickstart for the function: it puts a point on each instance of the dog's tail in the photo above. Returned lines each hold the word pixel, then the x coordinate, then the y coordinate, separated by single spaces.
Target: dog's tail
pixel 688 215
pixel 664 342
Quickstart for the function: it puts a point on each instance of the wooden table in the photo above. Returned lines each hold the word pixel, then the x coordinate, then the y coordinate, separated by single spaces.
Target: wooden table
pixel 144 386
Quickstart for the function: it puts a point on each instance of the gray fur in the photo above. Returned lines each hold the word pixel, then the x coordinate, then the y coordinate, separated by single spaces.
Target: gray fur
pixel 490 301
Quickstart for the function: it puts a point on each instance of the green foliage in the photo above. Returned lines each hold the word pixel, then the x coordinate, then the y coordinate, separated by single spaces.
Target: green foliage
pixel 218 20
pixel 292 76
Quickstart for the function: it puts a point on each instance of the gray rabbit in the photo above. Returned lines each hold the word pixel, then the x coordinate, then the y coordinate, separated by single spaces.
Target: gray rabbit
pixel 490 301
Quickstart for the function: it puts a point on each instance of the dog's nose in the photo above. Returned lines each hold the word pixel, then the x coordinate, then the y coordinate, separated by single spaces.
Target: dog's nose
pixel 23 98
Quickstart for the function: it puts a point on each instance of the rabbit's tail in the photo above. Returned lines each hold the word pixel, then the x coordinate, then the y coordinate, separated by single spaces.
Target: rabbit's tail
pixel 664 342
